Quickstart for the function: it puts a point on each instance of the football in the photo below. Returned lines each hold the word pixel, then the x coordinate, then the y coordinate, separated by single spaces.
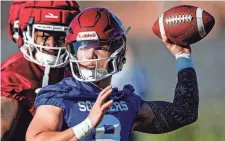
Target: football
pixel 184 24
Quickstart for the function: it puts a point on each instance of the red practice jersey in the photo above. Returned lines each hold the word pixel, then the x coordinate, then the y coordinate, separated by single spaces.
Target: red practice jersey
pixel 20 79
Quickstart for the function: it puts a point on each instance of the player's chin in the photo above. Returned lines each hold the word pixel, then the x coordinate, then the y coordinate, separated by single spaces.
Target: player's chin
pixel 51 52
pixel 93 66
pixel 88 67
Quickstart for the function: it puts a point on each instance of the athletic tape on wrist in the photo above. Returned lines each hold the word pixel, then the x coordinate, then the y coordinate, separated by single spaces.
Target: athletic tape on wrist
pixel 83 129
pixel 183 55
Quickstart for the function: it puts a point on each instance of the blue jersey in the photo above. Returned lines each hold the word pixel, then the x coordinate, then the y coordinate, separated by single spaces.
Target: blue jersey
pixel 77 98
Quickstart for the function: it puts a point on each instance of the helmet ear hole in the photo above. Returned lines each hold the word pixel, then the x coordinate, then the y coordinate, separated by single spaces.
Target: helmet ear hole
pixel 76 70
pixel 121 59
pixel 31 20
pixel 110 66
pixel 124 60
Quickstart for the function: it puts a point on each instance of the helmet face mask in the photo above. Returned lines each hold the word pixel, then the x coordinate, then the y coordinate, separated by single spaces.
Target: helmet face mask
pixel 102 63
pixel 39 53
pixel 43 27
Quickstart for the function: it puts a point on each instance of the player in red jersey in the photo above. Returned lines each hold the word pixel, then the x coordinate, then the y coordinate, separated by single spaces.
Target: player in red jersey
pixel 42 59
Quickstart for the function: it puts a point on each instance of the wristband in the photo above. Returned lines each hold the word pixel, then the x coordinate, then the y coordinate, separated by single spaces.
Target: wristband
pixel 183 55
pixel 183 61
pixel 83 129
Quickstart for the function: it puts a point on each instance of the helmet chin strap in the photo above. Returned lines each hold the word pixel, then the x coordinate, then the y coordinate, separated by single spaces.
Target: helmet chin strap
pixel 45 79
pixel 46 59
pixel 93 74
pixel 15 36
pixel 46 76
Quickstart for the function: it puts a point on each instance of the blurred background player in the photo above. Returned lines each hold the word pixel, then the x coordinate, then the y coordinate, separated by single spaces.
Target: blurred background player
pixel 42 59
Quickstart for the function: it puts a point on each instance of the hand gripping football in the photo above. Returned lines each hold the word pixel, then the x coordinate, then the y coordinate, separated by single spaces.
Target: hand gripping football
pixel 184 24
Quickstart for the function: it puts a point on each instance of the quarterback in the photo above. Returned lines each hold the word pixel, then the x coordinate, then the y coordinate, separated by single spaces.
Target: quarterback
pixel 86 107
pixel 41 39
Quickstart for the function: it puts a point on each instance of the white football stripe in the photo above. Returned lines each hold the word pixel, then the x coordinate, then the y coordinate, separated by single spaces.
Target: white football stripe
pixel 161 25
pixel 200 25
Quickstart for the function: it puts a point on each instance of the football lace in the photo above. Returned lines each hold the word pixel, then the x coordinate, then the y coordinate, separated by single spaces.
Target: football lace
pixel 178 19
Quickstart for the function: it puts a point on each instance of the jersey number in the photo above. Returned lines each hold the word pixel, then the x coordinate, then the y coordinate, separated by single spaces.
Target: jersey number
pixel 109 129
